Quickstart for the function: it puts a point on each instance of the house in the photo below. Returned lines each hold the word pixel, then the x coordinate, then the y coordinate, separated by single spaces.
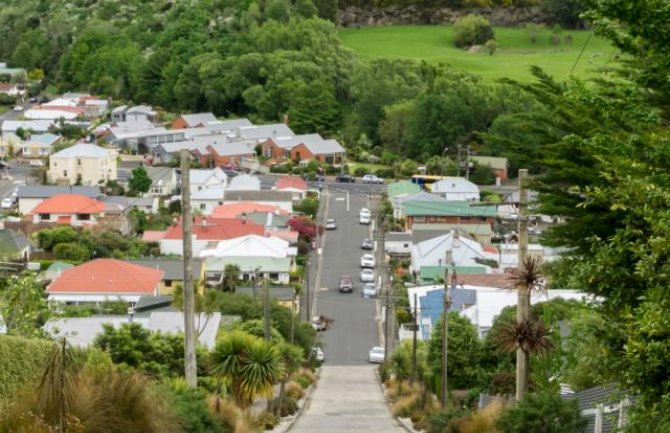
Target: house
pixel 122 204
pixel 402 188
pixel 232 153
pixel 164 181
pixel 173 272
pixel 448 249
pixel 207 233
pixel 228 125
pixel 137 113
pixel 206 200
pixel 275 269
pixel 193 120
pixel 13 245
pixel 168 153
pixel 260 133
pixel 82 331
pixel 399 200
pixel 39 145
pixel 31 196
pixel 141 136
pixel 55 270
pixel 53 112
pixel 102 280
pixel 498 166
pixel 476 221
pixel 11 89
pixel 398 243
pixel 435 274
pixel 9 128
pixel 293 184
pixel 204 179
pixel 244 182
pixel 281 199
pixel 72 209
pixel 251 245
pixel 83 163
pixel 305 147
pixel 456 189
pixel 244 208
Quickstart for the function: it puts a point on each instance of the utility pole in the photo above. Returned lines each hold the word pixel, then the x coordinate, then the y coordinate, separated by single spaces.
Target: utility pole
pixel 467 162
pixel 307 264
pixel 190 368
pixel 415 329
pixel 387 314
pixel 266 308
pixel 523 293
pixel 445 336
pixel 458 164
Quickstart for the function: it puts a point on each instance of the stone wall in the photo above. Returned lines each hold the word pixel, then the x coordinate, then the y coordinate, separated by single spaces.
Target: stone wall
pixel 358 17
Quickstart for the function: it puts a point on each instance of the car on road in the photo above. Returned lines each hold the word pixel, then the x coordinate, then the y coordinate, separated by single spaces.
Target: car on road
pixel 367 275
pixel 368 261
pixel 330 224
pixel 371 178
pixel 318 354
pixel 369 290
pixel 345 178
pixel 18 108
pixel 7 203
pixel 364 216
pixel 346 284
pixel 367 244
pixel 376 355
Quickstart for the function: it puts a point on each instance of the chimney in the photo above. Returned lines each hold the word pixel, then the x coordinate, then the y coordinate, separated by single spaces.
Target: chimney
pixel 204 222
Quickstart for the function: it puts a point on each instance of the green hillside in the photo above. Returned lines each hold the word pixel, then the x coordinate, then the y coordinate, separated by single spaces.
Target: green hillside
pixel 515 54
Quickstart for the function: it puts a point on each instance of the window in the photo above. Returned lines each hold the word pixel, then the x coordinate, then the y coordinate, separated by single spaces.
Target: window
pixel 287 154
pixel 220 203
pixel 84 217
pixel 45 216
pixel 78 161
pixel 64 173
pixel 274 276
pixel 168 283
pixel 203 206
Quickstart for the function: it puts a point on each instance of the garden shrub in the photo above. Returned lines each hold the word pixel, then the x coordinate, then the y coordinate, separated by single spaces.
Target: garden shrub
pixel 289 405
pixel 360 172
pixel 295 390
pixel 22 361
pixel 472 30
pixel 267 420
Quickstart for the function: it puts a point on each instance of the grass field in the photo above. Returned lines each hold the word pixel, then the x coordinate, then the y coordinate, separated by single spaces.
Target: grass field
pixel 513 59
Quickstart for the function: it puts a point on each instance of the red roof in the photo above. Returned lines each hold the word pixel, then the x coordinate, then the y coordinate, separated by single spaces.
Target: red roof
pixel 216 229
pixel 76 110
pixel 107 276
pixel 69 204
pixel 234 210
pixel 291 182
pixel 152 235
pixel 7 87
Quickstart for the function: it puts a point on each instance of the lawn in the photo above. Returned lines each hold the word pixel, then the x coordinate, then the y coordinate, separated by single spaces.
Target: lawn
pixel 371 168
pixel 513 59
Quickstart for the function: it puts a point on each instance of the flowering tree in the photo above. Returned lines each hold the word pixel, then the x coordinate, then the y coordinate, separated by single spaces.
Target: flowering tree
pixel 305 226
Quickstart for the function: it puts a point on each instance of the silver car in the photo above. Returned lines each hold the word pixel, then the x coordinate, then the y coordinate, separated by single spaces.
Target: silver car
pixel 369 290
pixel 367 276
pixel 376 355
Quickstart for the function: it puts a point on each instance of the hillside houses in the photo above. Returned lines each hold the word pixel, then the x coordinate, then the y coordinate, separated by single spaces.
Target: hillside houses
pixel 83 164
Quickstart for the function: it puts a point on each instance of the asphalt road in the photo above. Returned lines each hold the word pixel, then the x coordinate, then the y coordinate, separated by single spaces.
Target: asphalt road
pixel 355 329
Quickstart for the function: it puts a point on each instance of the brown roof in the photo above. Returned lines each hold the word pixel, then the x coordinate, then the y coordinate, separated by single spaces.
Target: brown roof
pixel 486 280
pixel 107 276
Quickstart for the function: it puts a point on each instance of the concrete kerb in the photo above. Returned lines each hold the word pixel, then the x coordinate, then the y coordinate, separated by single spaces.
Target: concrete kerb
pixel 286 424
pixel 403 423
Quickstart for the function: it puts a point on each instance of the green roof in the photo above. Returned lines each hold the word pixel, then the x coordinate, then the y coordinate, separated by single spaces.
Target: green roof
pixel 248 264
pixel 402 187
pixel 435 273
pixel 448 208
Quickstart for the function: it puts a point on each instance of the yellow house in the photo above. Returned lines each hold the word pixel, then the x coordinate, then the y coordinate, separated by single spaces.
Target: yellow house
pixel 84 164
pixel 174 272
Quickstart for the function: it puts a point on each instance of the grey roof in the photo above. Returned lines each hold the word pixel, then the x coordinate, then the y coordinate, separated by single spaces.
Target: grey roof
pixel 216 265
pixel 279 293
pixel 198 118
pixel 33 125
pixel 228 125
pixel 82 150
pixel 144 109
pixel 154 303
pixel 268 219
pixel 263 195
pixel 419 236
pixel 291 142
pixel 419 196
pixel 234 148
pixel 121 203
pixel 261 132
pixel 47 191
pixel 176 146
pixel 12 241
pixel 398 237
pixel 120 109
pixel 173 268
pixel 160 173
pixel 462 298
pixel 325 147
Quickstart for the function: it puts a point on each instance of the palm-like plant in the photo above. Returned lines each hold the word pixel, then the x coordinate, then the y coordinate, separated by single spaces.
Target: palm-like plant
pixel 291 358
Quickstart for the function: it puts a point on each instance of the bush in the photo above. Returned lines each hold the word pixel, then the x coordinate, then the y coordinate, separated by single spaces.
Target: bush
pixel 295 390
pixel 22 361
pixel 443 421
pixel 289 406
pixel 280 168
pixel 267 420
pixel 472 30
pixel 71 251
pixel 385 173
pixel 331 170
pixel 360 171
pixel 546 412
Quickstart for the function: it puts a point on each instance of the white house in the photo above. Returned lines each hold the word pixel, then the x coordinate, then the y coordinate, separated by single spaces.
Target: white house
pixel 85 163
pixel 456 189
pixel 245 182
pixel 164 181
pixel 281 199
pixel 398 243
pixel 445 250
pixel 204 179
pixel 206 200
pixel 251 246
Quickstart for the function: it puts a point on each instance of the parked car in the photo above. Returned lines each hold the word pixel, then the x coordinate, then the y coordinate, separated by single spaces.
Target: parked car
pixel 318 324
pixel 18 108
pixel 369 290
pixel 36 163
pixel 367 244
pixel 318 354
pixel 346 284
pixel 376 355
pixel 330 224
pixel 371 178
pixel 368 261
pixel 364 218
pixel 345 178
pixel 367 275
pixel 7 203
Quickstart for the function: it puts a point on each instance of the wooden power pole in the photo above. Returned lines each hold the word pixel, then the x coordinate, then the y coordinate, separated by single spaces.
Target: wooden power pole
pixel 523 293
pixel 190 366
pixel 266 309
pixel 445 337
pixel 415 329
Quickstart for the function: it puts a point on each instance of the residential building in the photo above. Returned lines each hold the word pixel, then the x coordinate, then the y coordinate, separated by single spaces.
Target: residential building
pixel 55 270
pixel 305 147
pixel 204 179
pixel 173 272
pixel 398 243
pixel 72 209
pixel 448 249
pixel 206 200
pixel 13 245
pixel 228 125
pixel 102 280
pixel 12 89
pixel 244 182
pixel 244 208
pixel 82 331
pixel 276 270
pixel 260 133
pixel 281 199
pixel 293 184
pixel 83 163
pixel 451 215
pixel 456 189
pixel 54 112
pixel 9 128
pixel 142 136
pixel 39 145
pixel 31 196
pixel 499 166
pixel 193 120
pixel 206 233
pixel 398 201
pixel 224 154
pixel 164 182
pixel 251 245
pixel 137 113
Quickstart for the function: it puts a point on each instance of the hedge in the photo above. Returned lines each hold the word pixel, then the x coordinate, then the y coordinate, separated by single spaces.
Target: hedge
pixel 22 361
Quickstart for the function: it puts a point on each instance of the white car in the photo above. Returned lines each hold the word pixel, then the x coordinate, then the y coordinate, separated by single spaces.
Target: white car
pixel 368 261
pixel 364 216
pixel 18 108
pixel 7 203
pixel 369 290
pixel 330 224
pixel 318 354
pixel 371 178
pixel 367 276
pixel 376 355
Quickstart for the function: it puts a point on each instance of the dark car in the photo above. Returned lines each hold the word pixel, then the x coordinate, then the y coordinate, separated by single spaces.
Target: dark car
pixel 346 284
pixel 345 178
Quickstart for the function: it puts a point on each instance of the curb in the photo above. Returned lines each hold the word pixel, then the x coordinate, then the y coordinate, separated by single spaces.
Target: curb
pixel 404 424
pixel 286 424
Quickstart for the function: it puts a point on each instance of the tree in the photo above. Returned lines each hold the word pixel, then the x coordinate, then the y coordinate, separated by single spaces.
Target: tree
pixel 231 276
pixel 491 46
pixel 472 30
pixel 139 181
pixel 23 306
pixel 291 358
pixel 547 413
pixel 306 227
